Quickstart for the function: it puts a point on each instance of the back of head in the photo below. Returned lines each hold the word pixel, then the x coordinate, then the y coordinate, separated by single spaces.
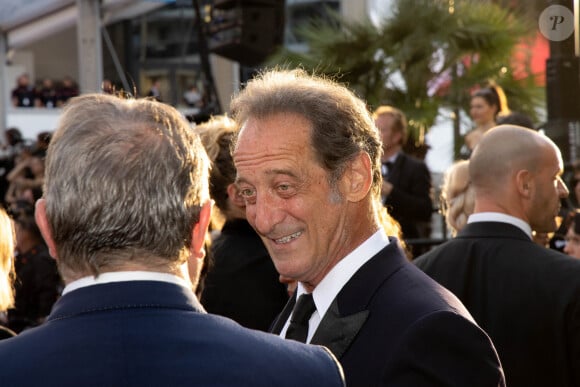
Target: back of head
pixel 457 197
pixel 503 150
pixel 342 126
pixel 125 179
pixel 25 222
pixel 217 135
pixel 14 136
pixel 515 118
pixel 6 261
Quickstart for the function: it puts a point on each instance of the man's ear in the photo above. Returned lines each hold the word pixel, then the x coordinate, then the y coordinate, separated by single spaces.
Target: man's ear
pixel 44 227
pixel 192 269
pixel 358 178
pixel 234 196
pixel 200 231
pixel 524 183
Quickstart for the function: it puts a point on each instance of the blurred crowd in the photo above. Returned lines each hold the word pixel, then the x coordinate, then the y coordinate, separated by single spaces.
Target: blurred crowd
pixel 334 179
pixel 37 282
pixel 46 93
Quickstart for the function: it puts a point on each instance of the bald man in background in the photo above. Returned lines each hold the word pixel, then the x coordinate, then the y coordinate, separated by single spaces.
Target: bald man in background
pixel 526 297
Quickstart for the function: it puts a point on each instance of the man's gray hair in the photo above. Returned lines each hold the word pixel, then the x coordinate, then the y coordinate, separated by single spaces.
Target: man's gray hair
pixel 125 181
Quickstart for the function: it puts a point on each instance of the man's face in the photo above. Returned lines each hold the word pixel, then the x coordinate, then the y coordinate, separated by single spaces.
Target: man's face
pixel 289 201
pixel 572 247
pixel 549 189
pixel 389 136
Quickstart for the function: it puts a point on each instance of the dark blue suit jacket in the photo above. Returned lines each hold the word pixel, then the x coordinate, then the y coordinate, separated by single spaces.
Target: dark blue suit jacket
pixel 391 325
pixel 148 333
pixel 525 296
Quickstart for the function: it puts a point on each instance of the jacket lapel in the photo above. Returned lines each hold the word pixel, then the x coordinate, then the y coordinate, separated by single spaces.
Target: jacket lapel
pixel 336 332
pixel 492 230
pixel 348 312
pixel 278 324
pixel 350 309
pixel 395 174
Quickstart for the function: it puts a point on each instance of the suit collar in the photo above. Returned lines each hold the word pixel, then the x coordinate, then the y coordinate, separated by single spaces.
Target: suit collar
pixel 359 290
pixel 124 276
pixel 278 324
pixel 335 331
pixel 349 310
pixel 494 230
pixel 398 166
pixel 501 217
pixel 125 295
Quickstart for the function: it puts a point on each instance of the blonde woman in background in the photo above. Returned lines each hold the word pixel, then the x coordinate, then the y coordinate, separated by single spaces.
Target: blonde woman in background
pixel 457 199
pixel 6 270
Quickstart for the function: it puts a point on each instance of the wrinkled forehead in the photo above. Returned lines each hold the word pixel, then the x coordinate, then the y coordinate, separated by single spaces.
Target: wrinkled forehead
pixel 260 132
pixel 272 143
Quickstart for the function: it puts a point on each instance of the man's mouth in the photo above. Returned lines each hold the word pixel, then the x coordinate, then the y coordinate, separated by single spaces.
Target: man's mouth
pixel 288 238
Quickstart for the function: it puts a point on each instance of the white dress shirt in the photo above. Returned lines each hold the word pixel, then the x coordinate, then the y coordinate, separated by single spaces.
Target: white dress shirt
pixel 327 290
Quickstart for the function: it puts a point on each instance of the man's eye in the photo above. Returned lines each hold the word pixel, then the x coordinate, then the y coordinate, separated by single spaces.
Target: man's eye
pixel 247 192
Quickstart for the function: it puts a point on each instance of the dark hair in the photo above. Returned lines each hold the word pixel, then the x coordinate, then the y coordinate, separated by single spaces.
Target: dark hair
pixel 26 221
pixel 494 96
pixel 14 136
pixel 20 207
pixel 516 118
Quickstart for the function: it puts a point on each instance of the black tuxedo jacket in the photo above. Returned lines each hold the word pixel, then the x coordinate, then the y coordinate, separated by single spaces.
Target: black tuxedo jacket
pixel 526 297
pixel 391 325
pixel 410 202
pixel 242 283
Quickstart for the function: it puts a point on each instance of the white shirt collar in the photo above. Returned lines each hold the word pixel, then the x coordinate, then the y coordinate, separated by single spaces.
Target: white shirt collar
pixel 503 218
pixel 124 276
pixel 327 290
pixel 393 158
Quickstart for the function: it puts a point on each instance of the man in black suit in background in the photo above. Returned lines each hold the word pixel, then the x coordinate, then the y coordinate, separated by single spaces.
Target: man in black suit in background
pixel 406 189
pixel 526 297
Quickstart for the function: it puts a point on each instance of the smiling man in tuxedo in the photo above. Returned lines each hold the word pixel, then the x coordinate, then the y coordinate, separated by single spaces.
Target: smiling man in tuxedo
pixel 308 166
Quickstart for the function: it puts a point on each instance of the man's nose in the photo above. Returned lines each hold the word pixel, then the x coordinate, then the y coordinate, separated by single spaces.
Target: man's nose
pixel 267 213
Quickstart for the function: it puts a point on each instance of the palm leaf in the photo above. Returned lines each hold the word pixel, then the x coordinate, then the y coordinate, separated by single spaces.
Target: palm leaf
pixel 397 61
